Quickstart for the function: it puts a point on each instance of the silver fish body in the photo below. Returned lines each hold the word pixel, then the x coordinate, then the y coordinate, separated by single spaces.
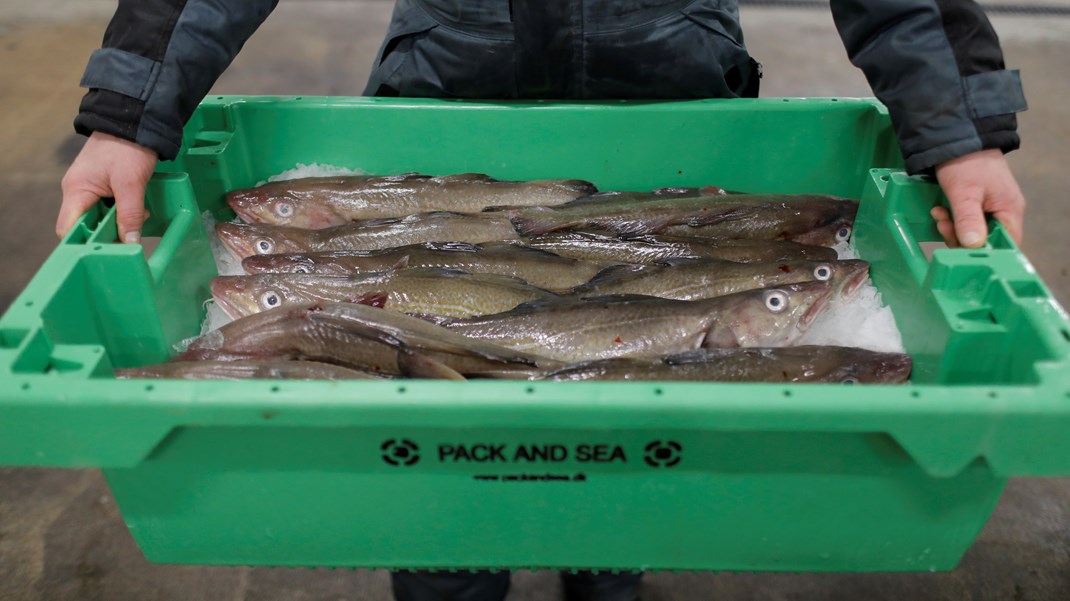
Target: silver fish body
pixel 647 249
pixel 320 202
pixel 537 267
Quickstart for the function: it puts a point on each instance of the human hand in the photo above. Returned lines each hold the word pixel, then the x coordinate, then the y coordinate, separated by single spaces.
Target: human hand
pixel 108 166
pixel 975 184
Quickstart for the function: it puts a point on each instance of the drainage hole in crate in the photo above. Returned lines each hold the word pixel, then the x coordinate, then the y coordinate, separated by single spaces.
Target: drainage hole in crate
pixel 979 255
pixel 658 392
pixel 29 303
pixel 835 99
pixel 993 394
pixel 787 393
pixel 98 247
pixel 885 178
pixel 401 389
pixel 915 394
pixel 275 389
pixel 530 390
pixel 25 385
pixel 149 388
pixel 1066 335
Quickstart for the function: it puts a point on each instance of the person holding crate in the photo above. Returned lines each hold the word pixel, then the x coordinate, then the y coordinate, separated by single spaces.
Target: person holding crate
pixel 936 64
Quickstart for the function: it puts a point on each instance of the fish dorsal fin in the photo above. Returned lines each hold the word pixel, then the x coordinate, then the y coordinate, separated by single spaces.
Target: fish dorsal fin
pixel 452 247
pixel 372 299
pixel 600 197
pixel 613 275
pixel 417 365
pixel 520 248
pixel 540 304
pixel 625 298
pixel 461 178
pixel 679 261
pixel 375 222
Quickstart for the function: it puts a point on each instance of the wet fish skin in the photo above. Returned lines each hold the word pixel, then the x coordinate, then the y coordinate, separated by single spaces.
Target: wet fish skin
pixel 574 329
pixel 798 364
pixel 245 240
pixel 806 218
pixel 265 369
pixel 320 202
pixel 695 279
pixel 539 268
pixel 358 337
pixel 648 249
pixel 422 291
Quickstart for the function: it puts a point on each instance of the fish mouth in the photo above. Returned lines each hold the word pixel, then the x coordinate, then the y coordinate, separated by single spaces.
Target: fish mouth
pixel 243 201
pixel 855 280
pixel 816 309
pixel 895 369
pixel 231 235
pixel 221 292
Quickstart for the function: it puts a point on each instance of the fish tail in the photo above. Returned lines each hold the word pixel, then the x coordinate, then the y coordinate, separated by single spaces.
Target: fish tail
pixel 422 366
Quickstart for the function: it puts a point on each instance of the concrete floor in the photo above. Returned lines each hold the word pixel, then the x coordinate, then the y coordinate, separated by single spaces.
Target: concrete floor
pixel 61 536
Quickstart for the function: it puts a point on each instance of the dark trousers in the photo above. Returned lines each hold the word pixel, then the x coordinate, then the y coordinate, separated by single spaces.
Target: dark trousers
pixel 487 586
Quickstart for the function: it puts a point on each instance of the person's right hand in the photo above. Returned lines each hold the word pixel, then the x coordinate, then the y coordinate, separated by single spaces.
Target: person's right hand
pixel 108 166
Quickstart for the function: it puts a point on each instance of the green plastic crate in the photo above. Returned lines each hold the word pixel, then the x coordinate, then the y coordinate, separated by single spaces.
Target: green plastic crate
pixel 574 475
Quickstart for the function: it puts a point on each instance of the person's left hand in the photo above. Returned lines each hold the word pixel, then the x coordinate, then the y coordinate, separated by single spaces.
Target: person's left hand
pixel 975 184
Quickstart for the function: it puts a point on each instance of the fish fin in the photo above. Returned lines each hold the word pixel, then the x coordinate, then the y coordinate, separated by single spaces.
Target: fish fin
pixel 464 178
pixel 600 197
pixel 379 221
pixel 405 177
pixel 519 247
pixel 720 337
pixel 620 298
pixel 579 185
pixel 677 261
pixel 433 215
pixel 686 357
pixel 372 299
pixel 716 218
pixel 439 320
pixel 509 210
pixel 401 263
pixel 417 365
pixel 611 275
pixel 452 246
pixel 535 221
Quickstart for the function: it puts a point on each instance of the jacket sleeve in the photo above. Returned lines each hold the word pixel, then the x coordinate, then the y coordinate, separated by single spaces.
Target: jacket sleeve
pixel 938 67
pixel 158 60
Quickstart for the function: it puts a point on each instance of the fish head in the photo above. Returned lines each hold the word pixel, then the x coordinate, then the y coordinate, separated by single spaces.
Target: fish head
pixel 767 316
pixel 245 240
pixel 239 296
pixel 282 204
pixel 870 367
pixel 833 222
pixel 279 263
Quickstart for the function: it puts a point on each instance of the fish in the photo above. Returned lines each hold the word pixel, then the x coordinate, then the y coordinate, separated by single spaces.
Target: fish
pixel 694 279
pixel 263 369
pixel 797 364
pixel 538 267
pixel 423 291
pixel 805 218
pixel 574 329
pixel 320 202
pixel 602 247
pixel 245 240
pixel 360 337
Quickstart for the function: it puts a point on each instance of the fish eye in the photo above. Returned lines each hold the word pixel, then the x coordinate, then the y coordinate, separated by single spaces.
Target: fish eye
pixel 843 233
pixel 264 246
pixel 849 380
pixel 270 299
pixel 302 269
pixel 823 272
pixel 284 210
pixel 776 300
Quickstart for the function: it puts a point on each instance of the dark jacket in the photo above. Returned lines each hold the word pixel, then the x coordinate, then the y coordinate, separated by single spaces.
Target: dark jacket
pixel 936 64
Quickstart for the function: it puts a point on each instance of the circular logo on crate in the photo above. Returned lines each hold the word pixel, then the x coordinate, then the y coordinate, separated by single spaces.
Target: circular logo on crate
pixel 400 452
pixel 663 453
